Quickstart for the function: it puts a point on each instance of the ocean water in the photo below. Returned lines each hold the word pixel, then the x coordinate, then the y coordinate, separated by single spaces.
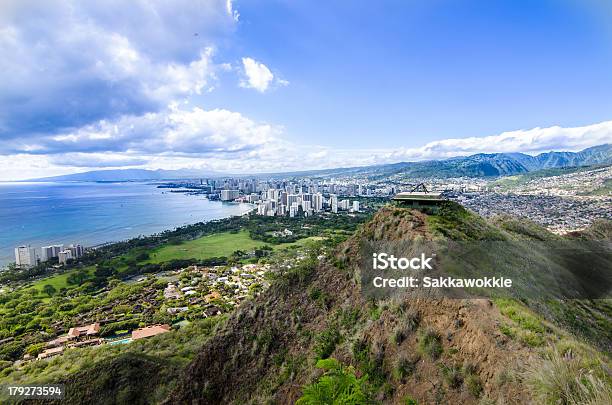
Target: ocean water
pixel 42 214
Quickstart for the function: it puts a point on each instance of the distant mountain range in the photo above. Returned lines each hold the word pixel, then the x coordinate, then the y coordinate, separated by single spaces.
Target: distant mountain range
pixel 501 164
pixel 132 175
pixel 479 165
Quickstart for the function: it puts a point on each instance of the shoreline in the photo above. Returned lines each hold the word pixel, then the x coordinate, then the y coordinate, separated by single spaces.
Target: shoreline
pixel 101 214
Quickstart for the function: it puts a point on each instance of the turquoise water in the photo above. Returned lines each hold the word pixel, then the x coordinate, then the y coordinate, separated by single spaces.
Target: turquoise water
pixel 120 342
pixel 42 214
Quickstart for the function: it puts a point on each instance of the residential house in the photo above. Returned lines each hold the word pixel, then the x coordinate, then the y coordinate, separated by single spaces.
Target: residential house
pixel 149 331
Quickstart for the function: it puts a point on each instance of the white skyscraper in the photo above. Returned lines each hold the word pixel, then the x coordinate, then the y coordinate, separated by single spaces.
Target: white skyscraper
pixel 261 208
pixel 333 202
pixel 253 198
pixel 48 252
pixel 356 206
pixel 317 202
pixel 306 206
pixel 273 194
pixel 293 209
pixel 292 198
pixel 64 255
pixel 229 195
pixel 25 256
pixel 76 250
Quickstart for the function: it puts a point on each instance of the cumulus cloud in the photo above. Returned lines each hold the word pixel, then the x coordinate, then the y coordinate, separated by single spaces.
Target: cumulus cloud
pixel 530 141
pixel 229 142
pixel 257 75
pixel 106 84
pixel 65 64
pixel 173 131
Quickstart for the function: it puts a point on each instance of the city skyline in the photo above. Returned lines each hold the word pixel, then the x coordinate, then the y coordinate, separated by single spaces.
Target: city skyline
pixel 230 86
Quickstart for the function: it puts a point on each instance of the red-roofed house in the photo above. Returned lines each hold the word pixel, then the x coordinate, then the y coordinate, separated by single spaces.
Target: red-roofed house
pixel 149 331
pixel 84 331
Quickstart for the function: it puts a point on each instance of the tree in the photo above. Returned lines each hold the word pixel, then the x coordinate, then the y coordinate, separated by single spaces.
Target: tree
pixel 35 349
pixel 77 277
pixel 49 289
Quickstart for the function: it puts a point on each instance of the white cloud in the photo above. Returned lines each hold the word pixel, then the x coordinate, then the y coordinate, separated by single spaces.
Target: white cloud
pixel 227 141
pixel 172 131
pixel 258 76
pixel 282 82
pixel 65 64
pixel 231 11
pixel 530 141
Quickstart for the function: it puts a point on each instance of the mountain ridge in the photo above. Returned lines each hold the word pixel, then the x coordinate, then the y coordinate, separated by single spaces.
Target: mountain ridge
pixel 318 311
pixel 477 165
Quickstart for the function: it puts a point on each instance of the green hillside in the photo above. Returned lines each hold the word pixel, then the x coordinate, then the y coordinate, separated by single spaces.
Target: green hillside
pixel 313 336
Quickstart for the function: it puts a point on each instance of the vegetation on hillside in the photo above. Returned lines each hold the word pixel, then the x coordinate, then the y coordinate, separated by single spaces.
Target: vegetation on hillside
pixel 312 337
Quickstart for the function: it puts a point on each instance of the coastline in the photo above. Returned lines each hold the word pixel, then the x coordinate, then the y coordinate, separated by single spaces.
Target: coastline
pixel 97 214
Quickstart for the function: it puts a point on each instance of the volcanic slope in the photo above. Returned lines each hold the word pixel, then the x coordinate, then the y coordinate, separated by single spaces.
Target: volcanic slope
pixel 424 350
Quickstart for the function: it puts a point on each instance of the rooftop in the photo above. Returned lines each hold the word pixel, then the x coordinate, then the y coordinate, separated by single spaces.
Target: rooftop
pixel 88 330
pixel 418 196
pixel 150 331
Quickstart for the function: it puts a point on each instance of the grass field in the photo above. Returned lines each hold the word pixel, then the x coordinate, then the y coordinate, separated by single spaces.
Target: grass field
pixel 220 244
pixel 59 281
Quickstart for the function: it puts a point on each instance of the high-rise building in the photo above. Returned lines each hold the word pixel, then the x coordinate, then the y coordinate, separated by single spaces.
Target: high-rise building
pixel 292 198
pixel 333 202
pixel 76 250
pixel 229 195
pixel 293 209
pixel 356 206
pixel 261 208
pixel 64 255
pixel 48 252
pixel 273 194
pixel 317 202
pixel 25 256
pixel 253 198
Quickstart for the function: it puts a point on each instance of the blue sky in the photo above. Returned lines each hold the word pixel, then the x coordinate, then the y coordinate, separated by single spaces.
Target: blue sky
pixel 258 86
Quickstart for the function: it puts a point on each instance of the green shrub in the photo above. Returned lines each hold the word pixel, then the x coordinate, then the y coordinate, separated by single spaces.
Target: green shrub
pixel 370 360
pixel 408 324
pixel 430 343
pixel 404 367
pixel 531 339
pixel 326 342
pixel 473 384
pixel 35 349
pixel 507 330
pixel 408 400
pixel 338 385
pixel 349 318
pixel 452 374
